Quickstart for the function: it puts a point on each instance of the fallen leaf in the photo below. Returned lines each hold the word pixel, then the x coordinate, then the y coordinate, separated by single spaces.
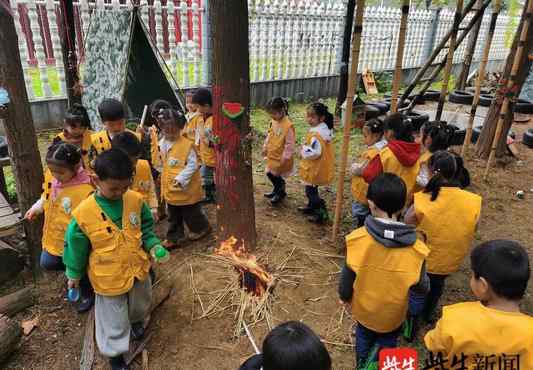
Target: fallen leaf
pixel 29 325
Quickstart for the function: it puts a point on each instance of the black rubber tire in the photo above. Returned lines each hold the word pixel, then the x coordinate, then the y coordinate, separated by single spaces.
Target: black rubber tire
pixel 476 131
pixel 472 90
pixel 4 151
pixel 383 108
pixel 371 112
pixel 458 136
pixel 417 119
pixel 527 139
pixel 461 97
pixel 485 100
pixel 387 103
pixel 523 106
pixel 418 99
pixel 431 95
pixel 406 102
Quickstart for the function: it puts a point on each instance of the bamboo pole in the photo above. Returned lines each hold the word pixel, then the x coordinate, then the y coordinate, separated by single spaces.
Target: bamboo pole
pixel 399 56
pixel 481 75
pixel 449 61
pixel 510 86
pixel 352 85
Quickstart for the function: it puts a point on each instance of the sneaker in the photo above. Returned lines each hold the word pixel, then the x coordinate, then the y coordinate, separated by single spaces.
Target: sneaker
pixel 270 195
pixel 320 216
pixel 118 363
pixel 306 210
pixel 278 198
pixel 85 303
pixel 201 234
pixel 137 330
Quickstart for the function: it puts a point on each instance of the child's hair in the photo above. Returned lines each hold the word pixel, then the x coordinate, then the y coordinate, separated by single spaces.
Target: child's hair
pixel 294 346
pixel 111 110
pixel 444 167
pixel 504 264
pixel 129 143
pixel 462 176
pixel 202 97
pixel 375 125
pixel 64 155
pixel 278 104
pixel 77 113
pixel 401 127
pixel 113 164
pixel 388 192
pixel 155 110
pixel 173 116
pixel 440 134
pixel 321 110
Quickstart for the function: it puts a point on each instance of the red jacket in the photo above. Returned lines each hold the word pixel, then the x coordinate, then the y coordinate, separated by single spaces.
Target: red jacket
pixel 406 153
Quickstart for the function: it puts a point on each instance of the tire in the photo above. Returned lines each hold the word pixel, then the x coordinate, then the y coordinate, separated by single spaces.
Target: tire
pixel 476 131
pixel 417 119
pixel 383 108
pixel 386 103
pixel 406 102
pixel 431 95
pixel 472 90
pixel 527 139
pixel 461 97
pixel 485 100
pixel 523 106
pixel 371 112
pixel 4 151
pixel 419 99
pixel 458 136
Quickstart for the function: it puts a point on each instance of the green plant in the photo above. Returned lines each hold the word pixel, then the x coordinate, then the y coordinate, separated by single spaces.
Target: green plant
pixel 513 8
pixel 10 185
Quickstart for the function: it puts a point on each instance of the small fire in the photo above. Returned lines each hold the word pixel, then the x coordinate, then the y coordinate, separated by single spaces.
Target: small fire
pixel 253 278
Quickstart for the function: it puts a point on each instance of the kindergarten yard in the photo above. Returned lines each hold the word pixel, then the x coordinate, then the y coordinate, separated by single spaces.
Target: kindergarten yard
pixel 195 327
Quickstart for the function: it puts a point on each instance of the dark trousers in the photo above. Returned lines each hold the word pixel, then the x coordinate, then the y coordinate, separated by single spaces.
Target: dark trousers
pixel 192 215
pixel 278 182
pixel 436 289
pixel 50 262
pixel 366 339
pixel 313 197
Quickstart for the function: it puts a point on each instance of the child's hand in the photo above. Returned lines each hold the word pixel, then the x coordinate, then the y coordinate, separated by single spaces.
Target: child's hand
pixel 30 215
pixel 73 283
pixel 155 215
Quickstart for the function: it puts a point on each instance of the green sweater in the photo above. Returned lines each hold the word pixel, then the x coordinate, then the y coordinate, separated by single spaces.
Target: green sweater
pixel 78 246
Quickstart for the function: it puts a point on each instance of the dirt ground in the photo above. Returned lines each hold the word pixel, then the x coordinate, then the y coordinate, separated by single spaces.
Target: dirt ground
pixel 182 340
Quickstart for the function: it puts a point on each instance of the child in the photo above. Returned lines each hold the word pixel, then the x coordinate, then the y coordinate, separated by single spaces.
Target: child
pixel 109 237
pixel 291 346
pixel 399 157
pixel 67 184
pixel 143 181
pixel 206 139
pixel 373 139
pixel 194 119
pixel 492 332
pixel 77 131
pixel 317 166
pixel 447 216
pixel 180 183
pixel 384 267
pixel 279 148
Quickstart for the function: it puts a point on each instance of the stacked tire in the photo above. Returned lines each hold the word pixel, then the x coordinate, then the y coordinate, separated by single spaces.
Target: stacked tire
pixel 461 97
pixel 527 139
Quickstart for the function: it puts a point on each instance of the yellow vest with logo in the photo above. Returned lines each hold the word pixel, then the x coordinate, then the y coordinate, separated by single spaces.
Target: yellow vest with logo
pixel 277 135
pixel 391 164
pixel 384 276
pixel 100 140
pixel 117 256
pixel 319 171
pixel 449 224
pixel 359 185
pixel 174 163
pixel 86 144
pixel 422 161
pixel 207 152
pixel 143 183
pixel 189 131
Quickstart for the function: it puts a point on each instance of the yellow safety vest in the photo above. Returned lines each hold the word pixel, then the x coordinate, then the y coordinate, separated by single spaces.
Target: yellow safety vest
pixel 207 153
pixel 359 185
pixel 174 163
pixel 277 135
pixel 86 143
pixel 100 140
pixel 143 183
pixel 384 276
pixel 189 131
pixel 449 224
pixel 319 171
pixel 391 164
pixel 117 256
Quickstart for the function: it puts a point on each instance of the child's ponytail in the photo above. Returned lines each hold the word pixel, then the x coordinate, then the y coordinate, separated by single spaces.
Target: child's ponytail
pixel 375 126
pixel 402 128
pixel 321 110
pixel 64 155
pixel 462 176
pixel 444 167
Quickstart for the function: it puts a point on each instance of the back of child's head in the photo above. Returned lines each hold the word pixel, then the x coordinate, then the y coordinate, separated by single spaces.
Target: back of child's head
pixel 77 114
pixel 155 110
pixel 388 192
pixel 294 346
pixel 202 97
pixel 462 176
pixel 278 105
pixel 128 142
pixel 443 167
pixel 504 264
pixel 64 155
pixel 113 164
pixel 401 128
pixel 439 133
pixel 321 110
pixel 111 110
pixel 172 117
pixel 375 126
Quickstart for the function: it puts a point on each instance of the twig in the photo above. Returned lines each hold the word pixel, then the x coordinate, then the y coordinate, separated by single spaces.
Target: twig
pixel 336 343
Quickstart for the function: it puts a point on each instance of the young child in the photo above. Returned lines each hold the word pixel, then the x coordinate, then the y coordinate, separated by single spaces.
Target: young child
pixel 384 267
pixel 143 181
pixel 399 157
pixel 206 142
pixel 491 332
pixel 290 346
pixel 67 184
pixel 109 237
pixel 194 119
pixel 180 183
pixel 77 131
pixel 374 141
pixel 447 216
pixel 279 148
pixel 317 167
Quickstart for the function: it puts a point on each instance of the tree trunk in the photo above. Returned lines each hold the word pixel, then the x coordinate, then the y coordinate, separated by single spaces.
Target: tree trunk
pixel 345 58
pixel 20 133
pixel 67 33
pixel 10 335
pixel 11 263
pixel 231 84
pixel 484 142
pixel 471 48
pixel 15 302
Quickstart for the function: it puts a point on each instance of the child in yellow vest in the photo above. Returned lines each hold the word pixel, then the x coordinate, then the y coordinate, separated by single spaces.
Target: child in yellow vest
pixel 180 183
pixel 66 185
pixel 278 148
pixel 385 266
pixel 77 131
pixel 143 182
pixel 206 142
pixel 374 141
pixel 110 237
pixel 447 216
pixel 194 119
pixel 490 333
pixel 317 166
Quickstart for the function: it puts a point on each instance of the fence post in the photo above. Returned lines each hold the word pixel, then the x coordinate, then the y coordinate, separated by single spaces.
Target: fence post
pixel 23 47
pixel 56 44
pixel 39 48
pixel 430 44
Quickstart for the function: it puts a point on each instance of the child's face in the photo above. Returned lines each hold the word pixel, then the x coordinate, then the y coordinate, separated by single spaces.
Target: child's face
pixel 191 107
pixel 112 189
pixel 312 118
pixel 114 128
pixel 370 138
pixel 171 130
pixel 61 173
pixel 276 116
pixel 206 108
pixel 75 130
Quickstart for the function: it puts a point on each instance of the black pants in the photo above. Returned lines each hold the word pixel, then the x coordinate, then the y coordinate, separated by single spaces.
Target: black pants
pixel 436 289
pixel 278 182
pixel 315 201
pixel 178 216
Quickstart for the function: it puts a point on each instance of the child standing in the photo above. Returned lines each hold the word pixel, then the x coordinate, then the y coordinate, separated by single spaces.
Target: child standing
pixel 279 148
pixel 77 131
pixel 374 141
pixel 109 237
pixel 194 119
pixel 384 267
pixel 491 332
pixel 317 167
pixel 180 183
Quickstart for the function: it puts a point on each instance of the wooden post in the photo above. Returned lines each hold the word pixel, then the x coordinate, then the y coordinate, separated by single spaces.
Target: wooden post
pixel 449 60
pixel 231 84
pixel 470 49
pixel 20 133
pixel 352 86
pixel 510 86
pixel 345 58
pixel 399 56
pixel 67 32
pixel 481 75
